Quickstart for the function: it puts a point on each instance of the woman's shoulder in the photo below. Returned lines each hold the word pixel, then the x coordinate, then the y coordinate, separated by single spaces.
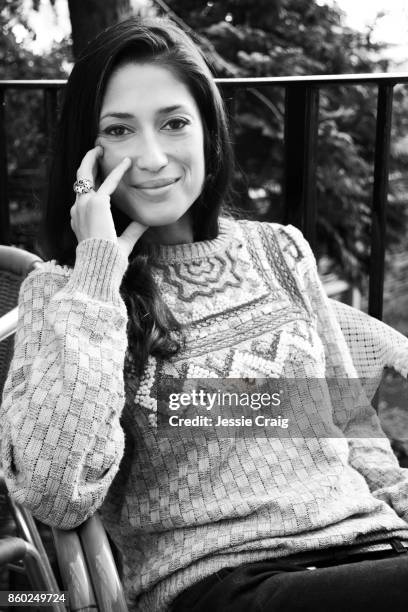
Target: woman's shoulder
pixel 288 239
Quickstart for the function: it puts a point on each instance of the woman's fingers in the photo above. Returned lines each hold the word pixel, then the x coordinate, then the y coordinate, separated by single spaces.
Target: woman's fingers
pixel 130 236
pixel 89 165
pixel 91 215
pixel 73 213
pixel 114 177
pixel 89 170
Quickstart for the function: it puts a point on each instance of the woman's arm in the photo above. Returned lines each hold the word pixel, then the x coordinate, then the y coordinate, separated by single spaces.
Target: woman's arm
pixel 370 451
pixel 61 437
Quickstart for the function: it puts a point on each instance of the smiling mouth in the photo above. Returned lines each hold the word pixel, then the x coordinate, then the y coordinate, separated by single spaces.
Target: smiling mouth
pixel 157 183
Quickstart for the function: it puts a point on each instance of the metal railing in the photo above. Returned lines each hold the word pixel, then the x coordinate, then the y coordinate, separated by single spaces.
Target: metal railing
pixel 300 152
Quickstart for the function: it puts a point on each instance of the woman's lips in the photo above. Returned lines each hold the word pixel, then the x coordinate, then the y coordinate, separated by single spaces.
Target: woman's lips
pixel 157 183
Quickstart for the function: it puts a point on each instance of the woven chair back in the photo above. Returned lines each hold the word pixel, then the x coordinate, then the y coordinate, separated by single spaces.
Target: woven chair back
pixel 15 264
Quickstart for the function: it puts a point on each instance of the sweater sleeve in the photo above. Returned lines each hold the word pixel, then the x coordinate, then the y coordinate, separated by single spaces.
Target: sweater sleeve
pixel 370 452
pixel 61 437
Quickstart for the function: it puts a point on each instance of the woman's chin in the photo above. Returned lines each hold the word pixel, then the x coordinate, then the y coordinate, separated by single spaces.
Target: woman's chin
pixel 156 220
pixel 149 218
pixel 159 218
pixel 173 217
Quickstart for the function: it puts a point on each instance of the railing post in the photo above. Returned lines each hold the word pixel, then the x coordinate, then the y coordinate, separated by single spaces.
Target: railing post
pixel 380 195
pixel 229 96
pixel 300 158
pixel 4 204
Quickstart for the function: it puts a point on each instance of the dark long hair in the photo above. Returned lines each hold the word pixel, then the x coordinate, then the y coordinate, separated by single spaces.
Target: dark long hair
pixel 151 325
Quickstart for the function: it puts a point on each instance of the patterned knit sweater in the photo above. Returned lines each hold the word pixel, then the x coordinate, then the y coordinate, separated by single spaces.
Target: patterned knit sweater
pixel 79 435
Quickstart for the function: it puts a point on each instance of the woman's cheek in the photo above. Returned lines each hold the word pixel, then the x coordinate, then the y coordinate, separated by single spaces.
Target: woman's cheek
pixel 113 154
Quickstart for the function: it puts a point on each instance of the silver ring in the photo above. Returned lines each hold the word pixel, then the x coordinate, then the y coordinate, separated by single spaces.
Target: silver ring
pixel 83 185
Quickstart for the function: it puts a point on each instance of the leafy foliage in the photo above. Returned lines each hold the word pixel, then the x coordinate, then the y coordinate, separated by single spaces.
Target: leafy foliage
pixel 25 109
pixel 26 125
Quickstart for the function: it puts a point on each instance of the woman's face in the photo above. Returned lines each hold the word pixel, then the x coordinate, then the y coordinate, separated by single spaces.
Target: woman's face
pixel 150 116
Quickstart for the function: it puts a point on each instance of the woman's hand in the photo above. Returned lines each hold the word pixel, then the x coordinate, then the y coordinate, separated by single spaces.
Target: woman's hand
pixel 91 215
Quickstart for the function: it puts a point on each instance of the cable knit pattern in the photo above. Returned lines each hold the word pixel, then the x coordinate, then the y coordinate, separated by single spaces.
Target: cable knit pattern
pixel 251 305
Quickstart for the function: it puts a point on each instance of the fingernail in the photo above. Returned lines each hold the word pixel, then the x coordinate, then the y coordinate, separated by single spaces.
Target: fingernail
pixel 126 159
pixel 100 150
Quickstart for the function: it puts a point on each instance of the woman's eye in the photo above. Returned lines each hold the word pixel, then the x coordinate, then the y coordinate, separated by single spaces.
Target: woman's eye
pixel 116 130
pixel 175 124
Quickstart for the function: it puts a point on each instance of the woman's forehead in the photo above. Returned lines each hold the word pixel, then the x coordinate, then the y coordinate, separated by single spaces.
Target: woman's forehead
pixel 145 87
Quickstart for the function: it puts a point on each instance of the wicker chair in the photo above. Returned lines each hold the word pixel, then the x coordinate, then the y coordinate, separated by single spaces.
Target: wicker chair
pixel 373 346
pixel 87 567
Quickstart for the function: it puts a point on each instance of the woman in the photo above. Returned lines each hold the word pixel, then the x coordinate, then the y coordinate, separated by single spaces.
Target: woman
pixel 208 519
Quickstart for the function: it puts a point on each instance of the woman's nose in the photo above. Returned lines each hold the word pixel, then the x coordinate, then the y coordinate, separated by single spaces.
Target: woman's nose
pixel 150 154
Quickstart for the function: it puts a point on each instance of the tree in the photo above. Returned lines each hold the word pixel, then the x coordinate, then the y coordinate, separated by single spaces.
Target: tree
pixel 89 17
pixel 25 119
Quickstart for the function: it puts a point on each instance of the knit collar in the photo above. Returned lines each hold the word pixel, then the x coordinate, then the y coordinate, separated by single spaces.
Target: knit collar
pixel 171 253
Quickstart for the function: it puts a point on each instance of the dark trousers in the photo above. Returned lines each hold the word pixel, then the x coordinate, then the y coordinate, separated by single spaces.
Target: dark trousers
pixel 379 582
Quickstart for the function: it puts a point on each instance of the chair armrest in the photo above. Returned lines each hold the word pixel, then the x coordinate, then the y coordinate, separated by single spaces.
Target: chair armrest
pixel 102 568
pixel 12 549
pixel 8 323
pixel 18 261
pixel 74 571
pixel 34 555
pixel 88 569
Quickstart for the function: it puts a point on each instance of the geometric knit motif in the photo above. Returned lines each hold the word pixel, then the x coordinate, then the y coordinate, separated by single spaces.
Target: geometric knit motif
pixel 200 292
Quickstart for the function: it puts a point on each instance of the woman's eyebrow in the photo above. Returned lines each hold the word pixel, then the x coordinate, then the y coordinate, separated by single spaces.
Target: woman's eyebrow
pixel 160 111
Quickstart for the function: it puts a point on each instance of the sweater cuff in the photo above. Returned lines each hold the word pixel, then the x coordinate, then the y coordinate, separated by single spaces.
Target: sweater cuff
pixel 99 269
